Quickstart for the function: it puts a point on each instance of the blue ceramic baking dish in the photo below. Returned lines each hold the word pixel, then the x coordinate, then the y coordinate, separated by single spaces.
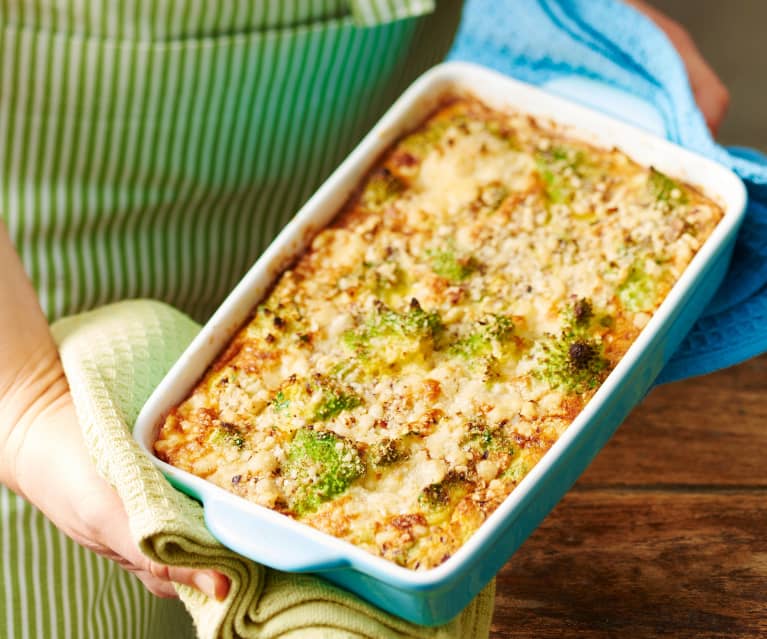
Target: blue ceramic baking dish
pixel 434 596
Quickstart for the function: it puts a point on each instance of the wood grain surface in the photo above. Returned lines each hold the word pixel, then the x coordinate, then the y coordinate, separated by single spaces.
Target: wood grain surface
pixel 665 535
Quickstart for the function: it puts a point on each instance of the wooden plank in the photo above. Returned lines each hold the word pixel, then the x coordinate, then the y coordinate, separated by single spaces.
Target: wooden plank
pixel 665 534
pixel 708 430
pixel 636 563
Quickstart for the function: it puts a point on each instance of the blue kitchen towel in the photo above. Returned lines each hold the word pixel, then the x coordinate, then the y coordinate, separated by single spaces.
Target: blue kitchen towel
pixel 547 42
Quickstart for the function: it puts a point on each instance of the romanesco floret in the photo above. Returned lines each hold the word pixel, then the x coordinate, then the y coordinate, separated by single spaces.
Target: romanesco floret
pixel 319 466
pixel 665 189
pixel 386 452
pixel 335 401
pixel 386 322
pixel 453 267
pixel 482 438
pixel 638 291
pixel 573 361
pixel 316 399
pixel 382 187
pixel 444 495
pixel 492 330
pixel 555 166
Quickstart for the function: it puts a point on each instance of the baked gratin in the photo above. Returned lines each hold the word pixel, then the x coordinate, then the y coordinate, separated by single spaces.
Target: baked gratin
pixel 433 342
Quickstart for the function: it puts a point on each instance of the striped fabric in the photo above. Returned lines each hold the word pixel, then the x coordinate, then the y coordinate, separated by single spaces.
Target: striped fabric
pixel 371 12
pixel 153 148
pixel 55 588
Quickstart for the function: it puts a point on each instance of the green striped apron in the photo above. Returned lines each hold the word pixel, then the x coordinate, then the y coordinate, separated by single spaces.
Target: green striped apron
pixel 153 149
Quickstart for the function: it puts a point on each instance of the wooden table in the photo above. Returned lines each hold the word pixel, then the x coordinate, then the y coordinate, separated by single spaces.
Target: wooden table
pixel 665 535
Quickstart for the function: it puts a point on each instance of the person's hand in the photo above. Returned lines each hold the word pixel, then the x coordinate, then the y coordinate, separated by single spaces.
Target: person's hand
pixel 42 454
pixel 54 472
pixel 710 93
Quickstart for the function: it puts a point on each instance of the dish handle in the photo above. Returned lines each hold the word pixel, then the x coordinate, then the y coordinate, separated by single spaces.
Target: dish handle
pixel 272 543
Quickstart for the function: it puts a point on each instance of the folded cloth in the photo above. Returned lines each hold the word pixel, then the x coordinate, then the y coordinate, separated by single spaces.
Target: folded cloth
pixel 542 41
pixel 113 358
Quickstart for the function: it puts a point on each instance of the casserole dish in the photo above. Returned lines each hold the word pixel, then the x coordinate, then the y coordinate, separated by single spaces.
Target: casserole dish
pixel 435 595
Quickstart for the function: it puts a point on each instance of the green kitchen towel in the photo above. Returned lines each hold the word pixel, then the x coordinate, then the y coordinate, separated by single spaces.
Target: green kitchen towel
pixel 113 358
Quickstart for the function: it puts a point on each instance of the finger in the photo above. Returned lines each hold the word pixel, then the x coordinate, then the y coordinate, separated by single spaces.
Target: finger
pixel 710 94
pixel 112 531
pixel 91 512
pixel 156 586
pixel 159 577
pixel 209 582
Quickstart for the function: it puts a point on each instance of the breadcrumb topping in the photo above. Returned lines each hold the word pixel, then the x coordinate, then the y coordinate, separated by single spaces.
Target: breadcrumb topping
pixel 431 345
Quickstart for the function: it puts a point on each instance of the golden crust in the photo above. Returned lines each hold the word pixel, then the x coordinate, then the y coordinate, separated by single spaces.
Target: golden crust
pixel 432 344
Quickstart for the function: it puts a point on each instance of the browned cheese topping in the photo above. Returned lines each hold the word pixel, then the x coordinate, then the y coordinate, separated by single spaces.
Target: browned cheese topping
pixel 431 345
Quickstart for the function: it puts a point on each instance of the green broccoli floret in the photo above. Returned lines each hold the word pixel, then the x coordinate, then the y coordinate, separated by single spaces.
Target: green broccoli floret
pixel 487 345
pixel 280 402
pixel 322 465
pixel 503 132
pixel 383 278
pixel 583 312
pixel 493 329
pixel 387 452
pixel 414 322
pixel 665 189
pixel 574 365
pixel 434 496
pixel 482 439
pixel 555 190
pixel 516 470
pixel 385 322
pixel 439 498
pixel 229 434
pixel 474 345
pixel 638 292
pixel 388 340
pixel 335 401
pixel 423 140
pixel 552 165
pixel 382 186
pixel 574 361
pixel 480 436
pixel 315 399
pixel 446 263
pixel 498 327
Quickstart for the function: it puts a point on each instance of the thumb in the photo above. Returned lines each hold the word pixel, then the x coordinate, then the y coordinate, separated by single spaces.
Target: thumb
pixel 156 576
pixel 209 582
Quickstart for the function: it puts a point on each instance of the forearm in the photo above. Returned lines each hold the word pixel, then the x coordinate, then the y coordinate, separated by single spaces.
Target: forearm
pixel 31 378
pixel 42 453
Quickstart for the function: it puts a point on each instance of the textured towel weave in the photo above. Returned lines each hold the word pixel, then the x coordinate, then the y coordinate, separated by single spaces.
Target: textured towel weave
pixel 113 358
pixel 541 41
